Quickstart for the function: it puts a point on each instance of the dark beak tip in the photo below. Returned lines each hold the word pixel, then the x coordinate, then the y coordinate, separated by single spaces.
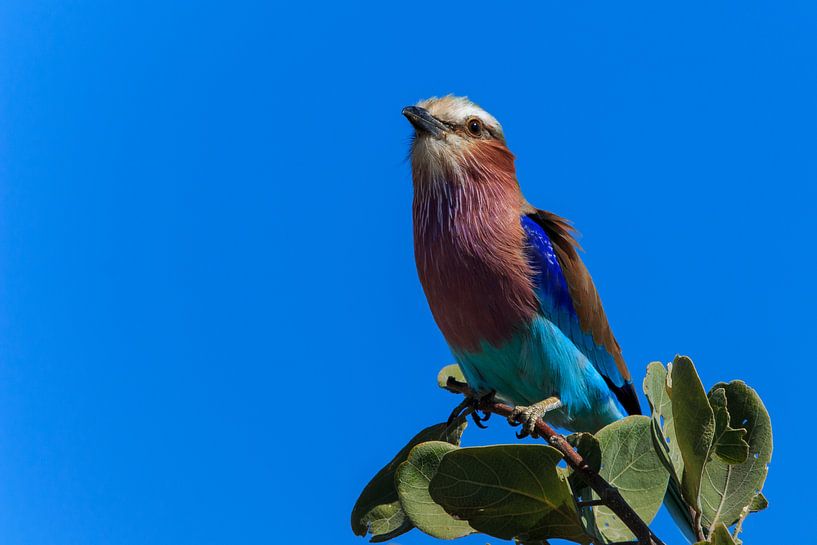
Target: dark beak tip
pixel 423 121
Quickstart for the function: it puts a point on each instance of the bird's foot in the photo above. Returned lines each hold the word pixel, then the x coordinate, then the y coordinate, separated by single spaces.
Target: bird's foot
pixel 527 416
pixel 472 405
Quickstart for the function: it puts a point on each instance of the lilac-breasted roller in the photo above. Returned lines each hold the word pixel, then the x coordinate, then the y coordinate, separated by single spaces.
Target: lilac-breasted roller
pixel 505 281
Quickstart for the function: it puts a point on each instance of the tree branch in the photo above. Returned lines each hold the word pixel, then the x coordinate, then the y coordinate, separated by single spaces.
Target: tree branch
pixel 610 496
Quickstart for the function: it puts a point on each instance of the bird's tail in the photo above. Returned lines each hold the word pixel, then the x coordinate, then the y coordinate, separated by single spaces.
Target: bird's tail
pixel 679 511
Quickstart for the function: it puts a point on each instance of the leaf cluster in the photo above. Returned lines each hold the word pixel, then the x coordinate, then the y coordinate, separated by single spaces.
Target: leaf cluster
pixel 717 446
pixel 707 451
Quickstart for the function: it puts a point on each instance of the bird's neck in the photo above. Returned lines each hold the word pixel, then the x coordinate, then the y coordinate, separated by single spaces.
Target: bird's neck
pixel 469 249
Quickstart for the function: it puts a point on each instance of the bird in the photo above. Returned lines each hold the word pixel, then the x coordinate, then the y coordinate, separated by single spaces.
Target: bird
pixel 505 281
pixel 506 284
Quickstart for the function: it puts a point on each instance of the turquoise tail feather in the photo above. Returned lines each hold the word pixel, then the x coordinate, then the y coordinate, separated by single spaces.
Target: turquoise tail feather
pixel 536 363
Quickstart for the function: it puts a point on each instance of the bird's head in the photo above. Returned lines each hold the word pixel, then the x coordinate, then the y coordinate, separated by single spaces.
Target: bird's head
pixel 456 141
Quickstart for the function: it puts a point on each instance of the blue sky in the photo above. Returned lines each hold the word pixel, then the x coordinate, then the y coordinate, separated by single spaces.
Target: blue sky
pixel 211 330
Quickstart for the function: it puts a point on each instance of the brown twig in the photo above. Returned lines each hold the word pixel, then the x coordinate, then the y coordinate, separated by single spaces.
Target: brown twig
pixel 609 494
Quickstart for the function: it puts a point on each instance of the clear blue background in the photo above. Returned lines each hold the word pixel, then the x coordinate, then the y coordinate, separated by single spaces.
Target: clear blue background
pixel 211 330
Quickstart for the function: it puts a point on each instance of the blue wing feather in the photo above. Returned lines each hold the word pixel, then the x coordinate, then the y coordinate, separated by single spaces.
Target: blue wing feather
pixel 556 303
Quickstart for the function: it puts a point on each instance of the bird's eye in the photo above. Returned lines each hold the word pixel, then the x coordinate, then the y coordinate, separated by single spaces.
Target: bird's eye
pixel 474 126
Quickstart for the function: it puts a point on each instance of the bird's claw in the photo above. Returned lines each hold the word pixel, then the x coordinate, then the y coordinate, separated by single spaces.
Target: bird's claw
pixel 480 418
pixel 472 406
pixel 527 416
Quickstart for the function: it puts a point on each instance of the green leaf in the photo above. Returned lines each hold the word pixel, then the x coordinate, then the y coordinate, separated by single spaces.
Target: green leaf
pixel 655 388
pixel 509 491
pixel 377 510
pixel 728 488
pixel 386 521
pixel 694 424
pixel 728 443
pixel 412 479
pixel 720 536
pixel 452 371
pixel 759 503
pixel 630 463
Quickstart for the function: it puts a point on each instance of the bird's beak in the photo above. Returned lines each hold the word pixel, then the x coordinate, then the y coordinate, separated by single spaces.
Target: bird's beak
pixel 424 121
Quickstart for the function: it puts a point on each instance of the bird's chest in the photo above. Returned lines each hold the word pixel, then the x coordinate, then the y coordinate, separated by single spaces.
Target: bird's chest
pixel 478 290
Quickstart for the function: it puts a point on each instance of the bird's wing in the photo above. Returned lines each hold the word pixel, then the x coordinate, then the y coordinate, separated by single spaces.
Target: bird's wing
pixel 569 299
